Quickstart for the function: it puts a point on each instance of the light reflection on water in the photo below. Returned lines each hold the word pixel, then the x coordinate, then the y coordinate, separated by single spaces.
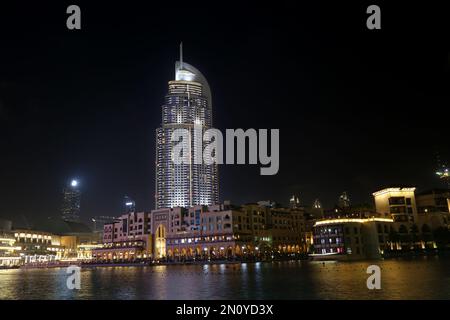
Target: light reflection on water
pixel 418 278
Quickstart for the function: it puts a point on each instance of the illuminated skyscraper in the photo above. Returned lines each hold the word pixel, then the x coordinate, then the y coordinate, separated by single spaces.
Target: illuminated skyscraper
pixel 70 210
pixel 187 103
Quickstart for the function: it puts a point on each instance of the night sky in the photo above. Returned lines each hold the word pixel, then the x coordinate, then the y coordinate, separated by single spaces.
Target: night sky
pixel 357 109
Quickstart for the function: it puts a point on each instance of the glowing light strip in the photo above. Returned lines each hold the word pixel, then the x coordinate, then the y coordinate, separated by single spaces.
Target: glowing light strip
pixel 89 246
pixel 326 254
pixel 10 248
pixel 387 190
pixel 349 220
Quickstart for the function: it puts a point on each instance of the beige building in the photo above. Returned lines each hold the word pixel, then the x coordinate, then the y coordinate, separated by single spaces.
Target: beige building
pixel 427 210
pixel 433 207
pixel 45 247
pixel 398 203
pixel 415 216
pixel 351 238
pixel 206 232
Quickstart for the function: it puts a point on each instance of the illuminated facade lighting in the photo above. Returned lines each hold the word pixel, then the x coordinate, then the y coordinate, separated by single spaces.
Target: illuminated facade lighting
pixel 388 190
pixel 70 210
pixel 350 220
pixel 187 103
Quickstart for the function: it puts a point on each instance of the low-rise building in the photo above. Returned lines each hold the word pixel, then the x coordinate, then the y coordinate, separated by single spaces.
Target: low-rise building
pixel 207 232
pixel 9 251
pixel 350 238
pixel 38 246
pixel 415 217
pixel 433 207
pixel 55 240
pixel 428 208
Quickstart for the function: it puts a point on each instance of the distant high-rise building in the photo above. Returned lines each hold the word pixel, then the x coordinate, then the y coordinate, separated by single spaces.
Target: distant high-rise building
pixel 294 202
pixel 317 204
pixel 129 205
pixel 187 105
pixel 344 200
pixel 317 209
pixel 70 210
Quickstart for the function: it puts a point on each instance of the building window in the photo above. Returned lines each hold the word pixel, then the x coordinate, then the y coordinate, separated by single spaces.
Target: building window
pixel 396 200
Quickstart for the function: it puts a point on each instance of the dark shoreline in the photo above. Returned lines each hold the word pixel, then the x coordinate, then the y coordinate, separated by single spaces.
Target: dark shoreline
pixel 401 255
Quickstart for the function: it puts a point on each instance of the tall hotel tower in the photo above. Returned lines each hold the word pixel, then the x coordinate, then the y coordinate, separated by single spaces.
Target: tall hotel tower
pixel 187 103
pixel 70 210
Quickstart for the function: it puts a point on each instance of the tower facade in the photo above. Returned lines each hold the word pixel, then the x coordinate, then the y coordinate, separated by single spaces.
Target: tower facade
pixel 188 104
pixel 70 210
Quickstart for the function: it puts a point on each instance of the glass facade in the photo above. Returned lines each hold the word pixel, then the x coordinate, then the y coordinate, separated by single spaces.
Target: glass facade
pixel 70 210
pixel 329 239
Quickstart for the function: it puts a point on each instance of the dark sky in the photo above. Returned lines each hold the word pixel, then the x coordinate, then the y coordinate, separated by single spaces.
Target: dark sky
pixel 357 109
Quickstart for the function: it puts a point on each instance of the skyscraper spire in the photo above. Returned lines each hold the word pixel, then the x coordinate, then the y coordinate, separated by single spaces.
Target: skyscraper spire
pixel 181 55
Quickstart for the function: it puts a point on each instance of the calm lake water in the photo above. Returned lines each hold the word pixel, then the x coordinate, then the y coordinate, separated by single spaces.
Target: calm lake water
pixel 417 278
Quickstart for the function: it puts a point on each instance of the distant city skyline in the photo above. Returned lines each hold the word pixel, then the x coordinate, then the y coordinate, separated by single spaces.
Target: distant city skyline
pixel 357 110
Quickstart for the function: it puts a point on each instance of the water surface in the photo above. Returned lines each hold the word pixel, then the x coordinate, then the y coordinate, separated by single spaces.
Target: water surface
pixel 418 278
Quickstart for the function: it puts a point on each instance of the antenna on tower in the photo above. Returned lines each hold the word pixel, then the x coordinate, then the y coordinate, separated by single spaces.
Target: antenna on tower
pixel 181 55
